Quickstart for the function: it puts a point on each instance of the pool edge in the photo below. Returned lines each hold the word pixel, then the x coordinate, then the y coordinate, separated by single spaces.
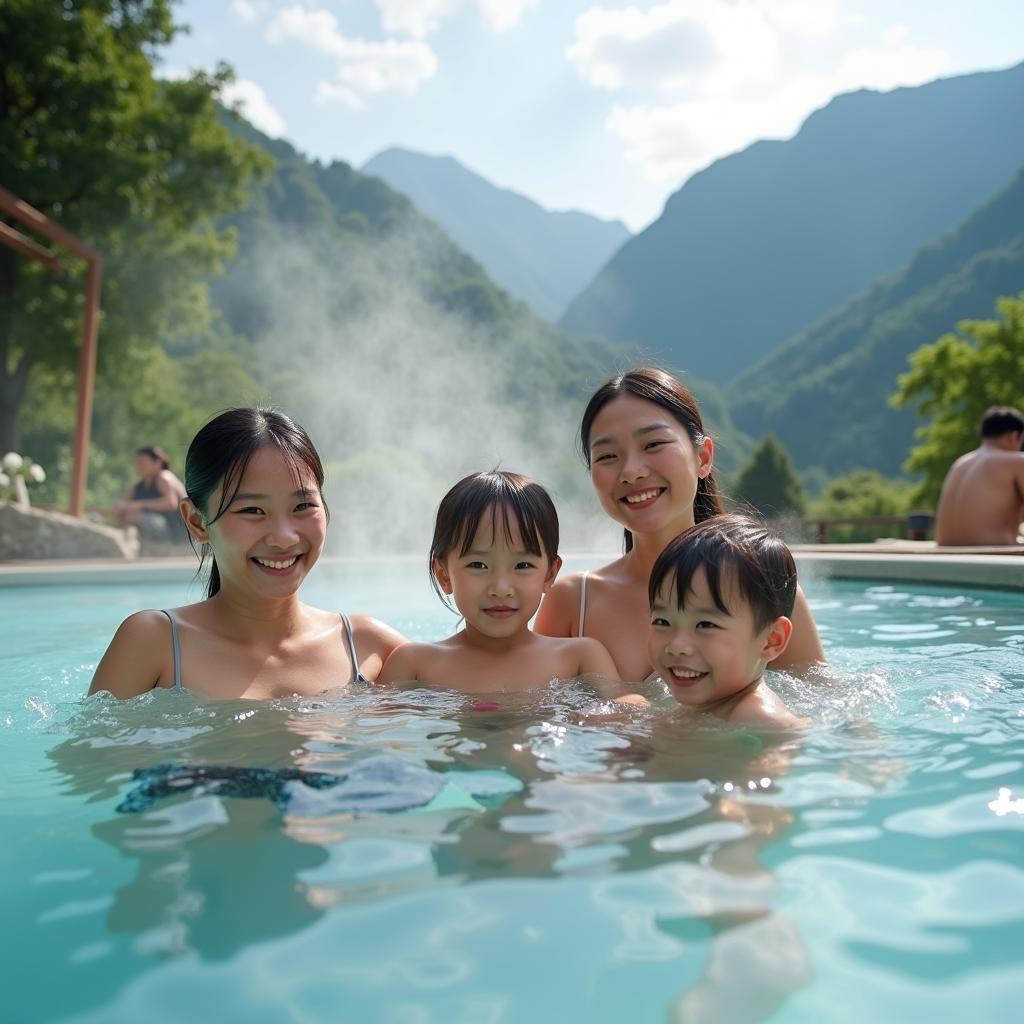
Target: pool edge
pixel 1004 571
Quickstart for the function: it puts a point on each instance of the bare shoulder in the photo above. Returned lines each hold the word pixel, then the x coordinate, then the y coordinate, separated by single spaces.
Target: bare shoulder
pixel 135 657
pixel 591 656
pixel 375 637
pixel 404 662
pixel 764 708
pixel 560 611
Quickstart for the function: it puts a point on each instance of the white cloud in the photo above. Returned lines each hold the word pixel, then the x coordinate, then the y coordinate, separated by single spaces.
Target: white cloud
pixel 415 17
pixel 365 67
pixel 420 18
pixel 252 103
pixel 704 78
pixel 674 45
pixel 504 14
pixel 245 10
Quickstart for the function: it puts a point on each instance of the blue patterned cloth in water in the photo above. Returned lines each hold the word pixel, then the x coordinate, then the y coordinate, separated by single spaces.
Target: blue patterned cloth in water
pixel 373 785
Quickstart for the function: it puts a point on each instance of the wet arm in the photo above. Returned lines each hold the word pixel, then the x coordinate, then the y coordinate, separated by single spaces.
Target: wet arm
pixel 595 660
pixel 804 649
pixel 559 609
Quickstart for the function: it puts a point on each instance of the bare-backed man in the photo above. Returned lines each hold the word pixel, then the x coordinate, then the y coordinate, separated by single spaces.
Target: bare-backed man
pixel 982 500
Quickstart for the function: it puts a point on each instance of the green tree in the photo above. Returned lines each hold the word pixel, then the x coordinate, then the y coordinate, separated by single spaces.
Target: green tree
pixel 139 168
pixel 953 381
pixel 863 492
pixel 769 482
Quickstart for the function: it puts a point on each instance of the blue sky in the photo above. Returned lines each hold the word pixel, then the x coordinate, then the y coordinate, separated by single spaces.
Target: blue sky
pixel 605 107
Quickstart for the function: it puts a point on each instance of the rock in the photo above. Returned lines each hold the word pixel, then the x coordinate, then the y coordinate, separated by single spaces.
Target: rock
pixel 34 533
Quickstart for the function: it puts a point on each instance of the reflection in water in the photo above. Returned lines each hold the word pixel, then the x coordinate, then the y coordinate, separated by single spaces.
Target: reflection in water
pixel 541 788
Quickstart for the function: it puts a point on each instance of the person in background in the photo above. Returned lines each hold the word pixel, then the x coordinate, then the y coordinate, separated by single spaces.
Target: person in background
pixel 151 504
pixel 982 499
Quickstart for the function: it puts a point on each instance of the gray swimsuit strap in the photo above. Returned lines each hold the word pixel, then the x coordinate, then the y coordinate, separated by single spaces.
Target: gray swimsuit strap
pixel 357 674
pixel 176 647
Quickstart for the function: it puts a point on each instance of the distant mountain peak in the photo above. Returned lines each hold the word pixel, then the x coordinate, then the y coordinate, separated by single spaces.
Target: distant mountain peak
pixel 540 256
pixel 760 244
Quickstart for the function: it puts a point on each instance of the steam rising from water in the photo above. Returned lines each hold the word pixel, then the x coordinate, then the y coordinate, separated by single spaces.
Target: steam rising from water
pixel 404 395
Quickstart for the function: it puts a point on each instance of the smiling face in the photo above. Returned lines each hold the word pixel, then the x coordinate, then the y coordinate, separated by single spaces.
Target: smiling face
pixel 644 466
pixel 703 653
pixel 272 531
pixel 497 584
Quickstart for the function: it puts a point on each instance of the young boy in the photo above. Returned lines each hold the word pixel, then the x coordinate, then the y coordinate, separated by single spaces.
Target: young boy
pixel 721 596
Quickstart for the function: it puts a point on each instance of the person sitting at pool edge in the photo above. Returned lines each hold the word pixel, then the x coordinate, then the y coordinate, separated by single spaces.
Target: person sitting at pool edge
pixel 721 597
pixel 151 503
pixel 982 498
pixel 495 552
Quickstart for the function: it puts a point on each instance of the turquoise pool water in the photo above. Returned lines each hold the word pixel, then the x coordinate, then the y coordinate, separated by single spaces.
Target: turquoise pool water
pixel 572 868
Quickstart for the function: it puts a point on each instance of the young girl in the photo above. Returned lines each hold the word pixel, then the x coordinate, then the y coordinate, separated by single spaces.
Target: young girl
pixel 495 551
pixel 253 480
pixel 651 464
pixel 722 597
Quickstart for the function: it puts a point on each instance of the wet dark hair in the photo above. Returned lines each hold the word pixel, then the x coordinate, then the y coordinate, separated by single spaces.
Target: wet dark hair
pixel 222 450
pixel 660 387
pixel 513 499
pixel 154 451
pixel 999 420
pixel 757 559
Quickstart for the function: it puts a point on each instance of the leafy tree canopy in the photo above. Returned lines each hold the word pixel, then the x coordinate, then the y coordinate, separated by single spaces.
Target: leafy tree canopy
pixel 139 168
pixel 769 482
pixel 953 381
pixel 863 492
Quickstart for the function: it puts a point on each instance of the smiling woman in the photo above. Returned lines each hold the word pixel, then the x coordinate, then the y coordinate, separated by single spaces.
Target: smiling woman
pixel 651 465
pixel 253 479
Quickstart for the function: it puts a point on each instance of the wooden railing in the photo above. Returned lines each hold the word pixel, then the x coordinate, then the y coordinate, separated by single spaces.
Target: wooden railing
pixel 917 525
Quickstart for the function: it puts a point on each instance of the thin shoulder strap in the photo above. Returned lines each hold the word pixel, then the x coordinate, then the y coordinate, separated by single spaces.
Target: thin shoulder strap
pixel 176 647
pixel 356 673
pixel 583 603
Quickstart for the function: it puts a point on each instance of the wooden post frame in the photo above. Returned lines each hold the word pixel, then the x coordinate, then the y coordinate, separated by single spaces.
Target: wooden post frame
pixel 14 239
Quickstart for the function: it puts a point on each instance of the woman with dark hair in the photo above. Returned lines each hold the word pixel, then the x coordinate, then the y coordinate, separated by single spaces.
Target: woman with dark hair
pixel 651 465
pixel 151 503
pixel 253 480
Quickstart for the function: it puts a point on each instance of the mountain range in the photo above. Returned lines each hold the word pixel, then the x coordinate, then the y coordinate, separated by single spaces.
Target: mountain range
pixel 871 246
pixel 762 244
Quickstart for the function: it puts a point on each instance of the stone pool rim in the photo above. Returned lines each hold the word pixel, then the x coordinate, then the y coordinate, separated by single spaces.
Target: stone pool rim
pixel 923 562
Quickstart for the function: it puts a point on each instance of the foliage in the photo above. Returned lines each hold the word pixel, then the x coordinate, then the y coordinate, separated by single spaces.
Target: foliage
pixel 769 482
pixel 863 493
pixel 954 380
pixel 140 169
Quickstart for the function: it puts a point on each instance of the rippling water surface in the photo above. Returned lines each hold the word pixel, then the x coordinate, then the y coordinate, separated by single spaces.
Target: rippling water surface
pixel 540 862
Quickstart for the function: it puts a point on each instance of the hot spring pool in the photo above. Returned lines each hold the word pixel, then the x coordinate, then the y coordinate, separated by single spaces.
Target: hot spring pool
pixel 571 869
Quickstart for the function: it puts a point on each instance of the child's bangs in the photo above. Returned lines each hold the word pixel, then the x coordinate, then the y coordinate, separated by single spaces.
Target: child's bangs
pixel 510 515
pixel 679 571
